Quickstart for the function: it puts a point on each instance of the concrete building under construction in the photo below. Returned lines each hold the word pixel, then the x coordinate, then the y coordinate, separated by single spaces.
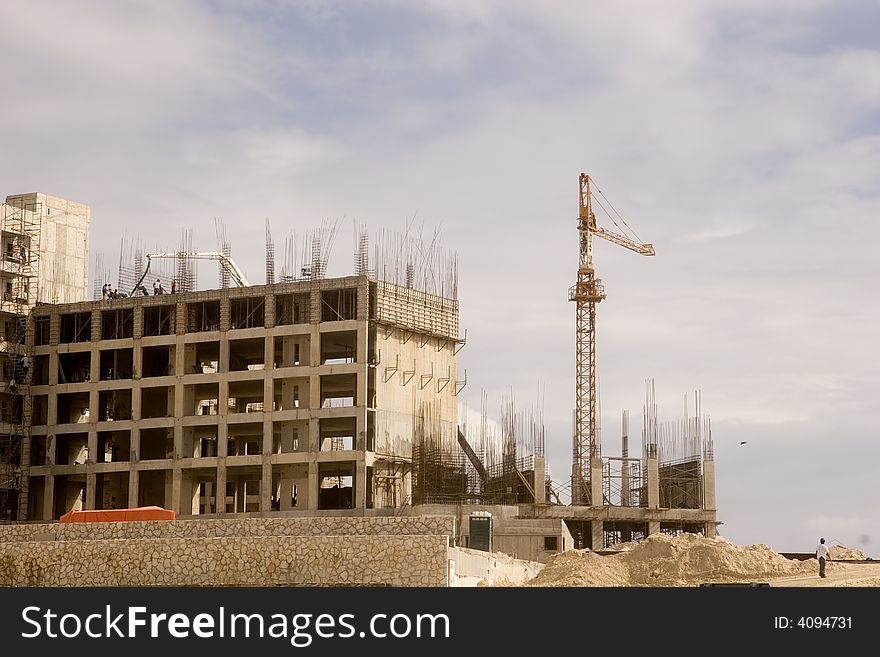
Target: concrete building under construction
pixel 313 396
pixel 292 397
pixel 44 255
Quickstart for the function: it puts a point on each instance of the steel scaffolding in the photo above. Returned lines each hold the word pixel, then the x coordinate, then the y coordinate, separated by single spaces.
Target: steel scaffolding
pixel 22 218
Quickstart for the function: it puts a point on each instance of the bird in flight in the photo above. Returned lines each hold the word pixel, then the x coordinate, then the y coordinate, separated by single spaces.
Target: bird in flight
pixel 743 442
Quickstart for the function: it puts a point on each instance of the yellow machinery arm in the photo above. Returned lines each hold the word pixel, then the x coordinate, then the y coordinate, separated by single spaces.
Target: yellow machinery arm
pixel 632 245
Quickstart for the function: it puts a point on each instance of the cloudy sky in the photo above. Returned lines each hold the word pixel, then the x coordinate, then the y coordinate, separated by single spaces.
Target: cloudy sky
pixel 739 137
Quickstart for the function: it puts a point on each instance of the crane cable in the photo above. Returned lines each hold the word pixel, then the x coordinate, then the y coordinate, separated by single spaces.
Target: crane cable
pixel 638 239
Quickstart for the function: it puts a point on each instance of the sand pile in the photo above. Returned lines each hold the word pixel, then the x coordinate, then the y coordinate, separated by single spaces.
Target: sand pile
pixel 692 558
pixel 582 568
pixel 661 560
pixel 843 552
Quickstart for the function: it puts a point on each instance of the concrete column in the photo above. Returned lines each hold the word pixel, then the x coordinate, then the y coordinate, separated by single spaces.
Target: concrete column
pixel 313 486
pixel 137 359
pixel 360 484
pixel 136 393
pixel 96 326
pixel 133 485
pixel 92 445
pixel 268 435
pixel 360 397
pixel 266 487
pixel 180 320
pixel 184 358
pixel 50 449
pixel 315 306
pixel 363 333
pixel 653 483
pixel 52 407
pixel 94 407
pixel 269 308
pixel 220 493
pixel 709 485
pixel 195 495
pixel 224 353
pixel 137 329
pixel 598 535
pixel 287 483
pixel 360 431
pixel 540 480
pixel 95 366
pixel 596 490
pixel 176 480
pixel 91 485
pixel 170 502
pixel 268 391
pixel 653 527
pixel 240 496
pixel 49 498
pixel 314 393
pixel 314 347
pixel 363 300
pixel 313 430
pixel 625 486
pixel 135 443
pixel 225 313
pixel 222 439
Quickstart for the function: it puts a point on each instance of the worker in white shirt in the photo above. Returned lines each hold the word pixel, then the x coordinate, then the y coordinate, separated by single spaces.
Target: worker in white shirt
pixel 823 555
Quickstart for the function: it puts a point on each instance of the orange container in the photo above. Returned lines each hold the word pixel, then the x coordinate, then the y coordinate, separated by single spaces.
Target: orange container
pixel 120 515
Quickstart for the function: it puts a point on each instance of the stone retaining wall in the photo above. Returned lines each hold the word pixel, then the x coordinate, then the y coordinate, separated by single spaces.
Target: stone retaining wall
pixel 237 561
pixel 232 527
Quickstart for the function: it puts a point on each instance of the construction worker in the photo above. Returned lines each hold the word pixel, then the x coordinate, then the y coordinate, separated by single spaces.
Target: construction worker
pixel 823 555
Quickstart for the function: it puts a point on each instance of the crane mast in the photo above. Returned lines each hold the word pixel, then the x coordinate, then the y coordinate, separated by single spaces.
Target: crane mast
pixel 586 293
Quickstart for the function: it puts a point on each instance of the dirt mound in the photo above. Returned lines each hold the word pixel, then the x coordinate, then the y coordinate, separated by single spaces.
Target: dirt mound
pixel 843 552
pixel 662 560
pixel 582 568
pixel 692 558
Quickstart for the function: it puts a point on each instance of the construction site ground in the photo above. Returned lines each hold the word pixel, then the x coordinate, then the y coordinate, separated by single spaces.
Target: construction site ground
pixel 693 560
pixel 838 574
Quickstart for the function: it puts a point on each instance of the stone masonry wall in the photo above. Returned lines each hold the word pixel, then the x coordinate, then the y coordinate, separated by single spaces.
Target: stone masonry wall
pixel 238 561
pixel 233 527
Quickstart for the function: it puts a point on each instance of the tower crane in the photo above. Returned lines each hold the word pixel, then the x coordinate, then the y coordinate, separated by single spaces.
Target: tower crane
pixel 586 293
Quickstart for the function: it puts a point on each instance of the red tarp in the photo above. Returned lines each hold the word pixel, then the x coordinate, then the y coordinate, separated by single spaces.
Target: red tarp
pixel 120 515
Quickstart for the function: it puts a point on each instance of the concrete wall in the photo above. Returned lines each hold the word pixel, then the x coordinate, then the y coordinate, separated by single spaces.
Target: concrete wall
pixel 491 567
pixel 233 527
pixel 412 372
pixel 526 538
pixel 415 345
pixel 64 251
pixel 522 538
pixel 63 274
pixel 251 561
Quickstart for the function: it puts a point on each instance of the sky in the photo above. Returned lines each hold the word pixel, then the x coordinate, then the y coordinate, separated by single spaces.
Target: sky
pixel 741 138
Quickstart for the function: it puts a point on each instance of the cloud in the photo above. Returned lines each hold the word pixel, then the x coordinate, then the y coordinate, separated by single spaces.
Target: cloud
pixel 720 230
